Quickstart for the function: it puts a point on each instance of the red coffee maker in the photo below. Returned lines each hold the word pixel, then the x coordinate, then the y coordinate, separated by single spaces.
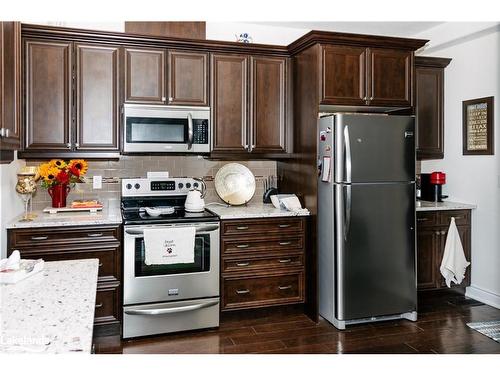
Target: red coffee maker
pixel 431 186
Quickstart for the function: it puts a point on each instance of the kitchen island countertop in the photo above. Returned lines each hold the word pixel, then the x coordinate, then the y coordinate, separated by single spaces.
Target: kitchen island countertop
pixel 443 206
pixel 64 219
pixel 51 311
pixel 250 211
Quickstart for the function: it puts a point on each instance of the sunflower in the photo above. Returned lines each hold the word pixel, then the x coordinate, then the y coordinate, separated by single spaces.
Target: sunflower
pixel 50 174
pixel 58 163
pixel 43 169
pixel 79 164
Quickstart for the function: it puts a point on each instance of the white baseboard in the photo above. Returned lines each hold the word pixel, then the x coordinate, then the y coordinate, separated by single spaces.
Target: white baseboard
pixel 483 296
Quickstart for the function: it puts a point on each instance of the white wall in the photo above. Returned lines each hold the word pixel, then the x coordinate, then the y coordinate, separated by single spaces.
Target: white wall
pixel 10 202
pixel 473 73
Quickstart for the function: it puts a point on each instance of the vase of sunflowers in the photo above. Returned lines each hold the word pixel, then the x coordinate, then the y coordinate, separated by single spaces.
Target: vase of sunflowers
pixel 57 176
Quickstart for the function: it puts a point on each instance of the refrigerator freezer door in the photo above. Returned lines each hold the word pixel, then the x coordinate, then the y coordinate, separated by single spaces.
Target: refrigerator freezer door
pixel 375 250
pixel 374 148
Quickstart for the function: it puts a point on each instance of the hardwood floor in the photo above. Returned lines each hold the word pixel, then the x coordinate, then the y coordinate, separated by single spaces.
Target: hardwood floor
pixel 441 328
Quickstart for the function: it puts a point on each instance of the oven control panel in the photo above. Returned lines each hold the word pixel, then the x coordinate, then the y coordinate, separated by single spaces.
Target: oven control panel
pixel 149 187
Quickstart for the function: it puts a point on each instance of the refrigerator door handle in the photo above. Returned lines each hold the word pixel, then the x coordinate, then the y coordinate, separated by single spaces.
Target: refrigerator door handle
pixel 348 159
pixel 347 214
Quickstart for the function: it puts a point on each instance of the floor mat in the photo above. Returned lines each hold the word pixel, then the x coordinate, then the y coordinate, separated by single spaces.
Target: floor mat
pixel 490 329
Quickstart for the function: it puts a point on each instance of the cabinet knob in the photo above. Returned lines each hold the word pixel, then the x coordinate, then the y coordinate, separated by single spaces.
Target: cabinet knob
pixel 2 132
pixel 68 145
pixel 7 133
pixel 163 98
pixel 77 145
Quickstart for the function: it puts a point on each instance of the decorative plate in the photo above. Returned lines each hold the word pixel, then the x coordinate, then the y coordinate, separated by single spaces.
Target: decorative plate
pixel 235 184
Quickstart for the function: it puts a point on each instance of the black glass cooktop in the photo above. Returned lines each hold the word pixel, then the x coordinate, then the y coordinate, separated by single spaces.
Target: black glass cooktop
pixel 133 213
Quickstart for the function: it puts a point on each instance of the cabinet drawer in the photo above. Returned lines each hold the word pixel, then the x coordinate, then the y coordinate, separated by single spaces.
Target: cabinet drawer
pixel 265 290
pixel 262 227
pixel 251 245
pixel 262 263
pixel 54 236
pixel 107 303
pixel 462 217
pixel 108 256
pixel 425 219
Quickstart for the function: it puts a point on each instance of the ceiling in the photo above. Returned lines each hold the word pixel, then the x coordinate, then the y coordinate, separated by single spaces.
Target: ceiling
pixel 402 29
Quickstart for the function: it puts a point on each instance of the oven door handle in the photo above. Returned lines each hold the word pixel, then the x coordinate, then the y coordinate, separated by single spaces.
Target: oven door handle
pixel 140 232
pixel 171 310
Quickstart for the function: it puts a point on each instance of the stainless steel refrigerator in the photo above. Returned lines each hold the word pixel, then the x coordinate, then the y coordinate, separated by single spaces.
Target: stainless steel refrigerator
pixel 366 218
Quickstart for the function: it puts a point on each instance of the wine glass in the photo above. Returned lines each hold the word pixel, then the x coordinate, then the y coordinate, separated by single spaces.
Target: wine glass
pixel 26 186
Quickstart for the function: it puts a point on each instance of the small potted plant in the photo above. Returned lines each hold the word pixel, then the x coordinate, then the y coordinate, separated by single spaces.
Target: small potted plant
pixel 57 176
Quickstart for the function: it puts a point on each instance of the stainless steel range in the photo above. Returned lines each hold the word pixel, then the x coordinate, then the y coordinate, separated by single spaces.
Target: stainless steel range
pixel 174 297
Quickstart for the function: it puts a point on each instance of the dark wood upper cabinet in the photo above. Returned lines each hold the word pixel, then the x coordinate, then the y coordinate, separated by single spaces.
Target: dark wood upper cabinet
pixel 390 75
pixel 429 106
pixel 97 97
pixel 187 78
pixel 267 105
pixel 229 91
pixel 10 80
pixel 145 76
pixel 48 95
pixel 343 75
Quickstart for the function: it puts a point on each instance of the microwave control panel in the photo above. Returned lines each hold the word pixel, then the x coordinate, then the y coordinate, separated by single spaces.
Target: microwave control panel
pixel 200 131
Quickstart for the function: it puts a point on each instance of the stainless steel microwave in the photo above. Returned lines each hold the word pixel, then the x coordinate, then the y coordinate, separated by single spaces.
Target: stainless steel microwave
pixel 158 128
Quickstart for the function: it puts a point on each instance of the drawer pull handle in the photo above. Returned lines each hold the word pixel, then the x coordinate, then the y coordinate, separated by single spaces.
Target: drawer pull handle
pixel 94 234
pixel 243 264
pixel 443 232
pixel 243 227
pixel 98 305
pixel 242 291
pixel 285 287
pixel 284 226
pixel 285 243
pixel 242 246
pixel 39 238
pixel 285 260
pixel 422 219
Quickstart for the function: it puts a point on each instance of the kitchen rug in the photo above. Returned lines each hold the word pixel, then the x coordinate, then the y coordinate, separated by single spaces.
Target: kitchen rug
pixel 490 329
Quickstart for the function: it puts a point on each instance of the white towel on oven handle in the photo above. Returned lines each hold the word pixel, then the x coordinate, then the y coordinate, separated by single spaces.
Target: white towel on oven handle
pixel 169 245
pixel 454 263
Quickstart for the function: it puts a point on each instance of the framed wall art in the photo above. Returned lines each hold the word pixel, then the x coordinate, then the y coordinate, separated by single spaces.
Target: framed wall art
pixel 477 117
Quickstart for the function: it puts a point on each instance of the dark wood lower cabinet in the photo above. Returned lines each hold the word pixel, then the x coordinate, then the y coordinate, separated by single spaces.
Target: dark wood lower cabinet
pixel 432 230
pixel 83 242
pixel 262 262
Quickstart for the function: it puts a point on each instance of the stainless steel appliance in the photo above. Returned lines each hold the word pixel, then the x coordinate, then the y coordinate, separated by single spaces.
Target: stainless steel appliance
pixel 167 298
pixel 159 128
pixel 366 218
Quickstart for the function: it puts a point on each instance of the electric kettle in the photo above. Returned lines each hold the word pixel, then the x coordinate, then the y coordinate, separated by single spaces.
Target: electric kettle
pixel 194 200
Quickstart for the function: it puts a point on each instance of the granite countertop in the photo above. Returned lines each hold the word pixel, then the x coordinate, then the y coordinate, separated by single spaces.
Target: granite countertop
pixel 51 311
pixel 442 206
pixel 63 219
pixel 249 211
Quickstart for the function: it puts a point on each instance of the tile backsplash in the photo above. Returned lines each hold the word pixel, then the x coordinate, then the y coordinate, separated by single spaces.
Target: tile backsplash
pixel 138 166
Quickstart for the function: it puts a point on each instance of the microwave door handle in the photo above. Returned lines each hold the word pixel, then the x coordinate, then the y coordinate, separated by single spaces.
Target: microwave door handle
pixel 190 131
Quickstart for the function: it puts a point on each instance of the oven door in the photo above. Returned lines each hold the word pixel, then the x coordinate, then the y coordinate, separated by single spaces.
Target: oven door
pixel 161 129
pixel 156 283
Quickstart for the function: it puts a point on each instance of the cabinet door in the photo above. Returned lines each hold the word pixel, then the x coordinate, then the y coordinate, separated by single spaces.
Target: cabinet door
pixel 428 244
pixel 343 75
pixel 144 76
pixel 48 95
pixel 267 104
pixel 229 83
pixel 10 80
pixel 429 110
pixel 187 78
pixel 390 77
pixel 97 97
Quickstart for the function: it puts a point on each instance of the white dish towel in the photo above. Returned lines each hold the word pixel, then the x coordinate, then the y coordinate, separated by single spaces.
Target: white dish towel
pixel 454 264
pixel 169 245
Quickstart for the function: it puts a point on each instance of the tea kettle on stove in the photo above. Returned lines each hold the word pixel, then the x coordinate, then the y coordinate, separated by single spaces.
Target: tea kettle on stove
pixel 194 200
